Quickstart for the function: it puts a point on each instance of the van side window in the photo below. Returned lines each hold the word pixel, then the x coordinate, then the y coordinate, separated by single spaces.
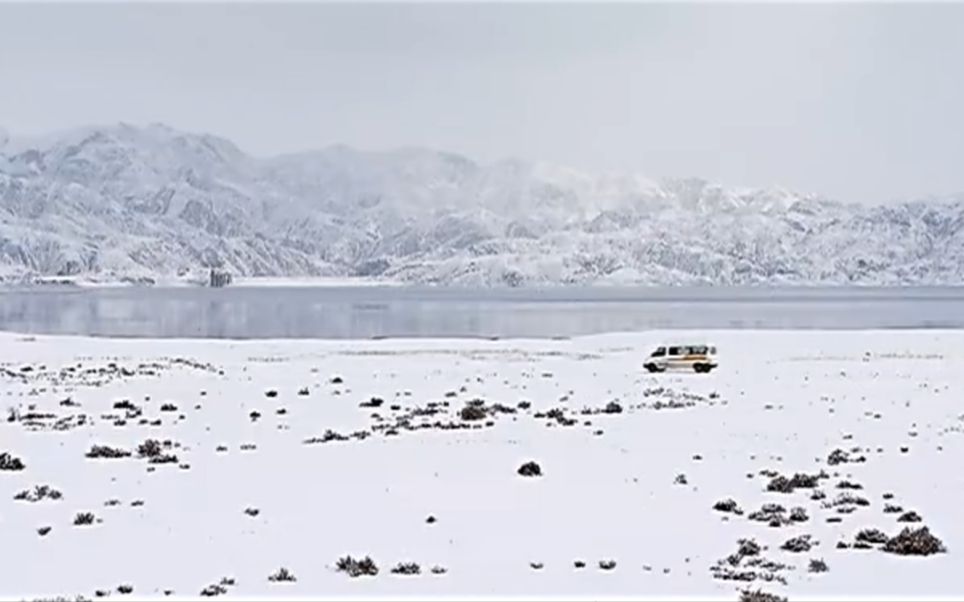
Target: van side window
pixel 660 352
pixel 675 351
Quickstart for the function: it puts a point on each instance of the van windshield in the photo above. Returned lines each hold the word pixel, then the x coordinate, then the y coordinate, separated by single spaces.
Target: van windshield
pixel 660 352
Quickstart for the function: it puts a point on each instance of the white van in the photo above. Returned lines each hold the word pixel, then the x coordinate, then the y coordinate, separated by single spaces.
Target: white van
pixel 699 358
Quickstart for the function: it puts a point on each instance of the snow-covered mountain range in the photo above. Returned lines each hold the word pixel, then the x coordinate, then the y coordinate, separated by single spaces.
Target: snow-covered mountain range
pixel 132 202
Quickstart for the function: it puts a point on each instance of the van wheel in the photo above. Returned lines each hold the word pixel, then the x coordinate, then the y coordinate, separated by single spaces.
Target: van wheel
pixel 652 368
pixel 701 368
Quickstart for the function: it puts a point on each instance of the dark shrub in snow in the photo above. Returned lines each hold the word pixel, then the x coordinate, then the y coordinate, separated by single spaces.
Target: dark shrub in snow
pixel 329 435
pixel 838 456
pixel 914 542
pixel 760 596
pixel 357 568
pixel 530 469
pixel 374 402
pixel 849 485
pixel 164 459
pixel 150 448
pixel 472 412
pixel 797 544
pixel 727 505
pixel 83 519
pixel 105 451
pixel 769 513
pixel 871 536
pixel 8 462
pixel 909 517
pixel 283 574
pixel 39 493
pixel 748 547
pixel 213 590
pixel 780 484
pixel 406 568
pixel 817 565
pixel 806 481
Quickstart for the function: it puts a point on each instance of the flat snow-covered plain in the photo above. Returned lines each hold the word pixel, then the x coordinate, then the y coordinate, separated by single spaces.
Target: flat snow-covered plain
pixel 610 488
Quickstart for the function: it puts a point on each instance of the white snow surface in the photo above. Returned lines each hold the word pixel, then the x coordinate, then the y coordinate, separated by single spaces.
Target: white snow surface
pixel 152 203
pixel 781 401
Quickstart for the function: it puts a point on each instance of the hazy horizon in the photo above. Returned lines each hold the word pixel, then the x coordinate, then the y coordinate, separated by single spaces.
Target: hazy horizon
pixel 859 103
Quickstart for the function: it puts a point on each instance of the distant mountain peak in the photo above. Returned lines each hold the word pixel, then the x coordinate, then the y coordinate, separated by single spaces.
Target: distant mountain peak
pixel 124 200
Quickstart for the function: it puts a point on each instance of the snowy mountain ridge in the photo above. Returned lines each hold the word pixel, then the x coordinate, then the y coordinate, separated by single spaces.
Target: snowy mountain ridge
pixel 152 202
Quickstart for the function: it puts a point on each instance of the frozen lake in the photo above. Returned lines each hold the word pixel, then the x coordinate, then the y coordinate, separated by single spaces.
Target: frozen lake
pixel 367 312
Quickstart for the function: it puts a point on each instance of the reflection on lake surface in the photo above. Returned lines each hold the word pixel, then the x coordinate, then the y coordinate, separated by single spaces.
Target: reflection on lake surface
pixel 365 312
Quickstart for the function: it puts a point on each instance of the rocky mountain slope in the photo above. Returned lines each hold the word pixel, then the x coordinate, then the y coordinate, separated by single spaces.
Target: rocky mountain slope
pixel 152 202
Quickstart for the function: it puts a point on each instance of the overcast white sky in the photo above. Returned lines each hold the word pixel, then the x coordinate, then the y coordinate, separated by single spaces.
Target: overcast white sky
pixel 859 102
